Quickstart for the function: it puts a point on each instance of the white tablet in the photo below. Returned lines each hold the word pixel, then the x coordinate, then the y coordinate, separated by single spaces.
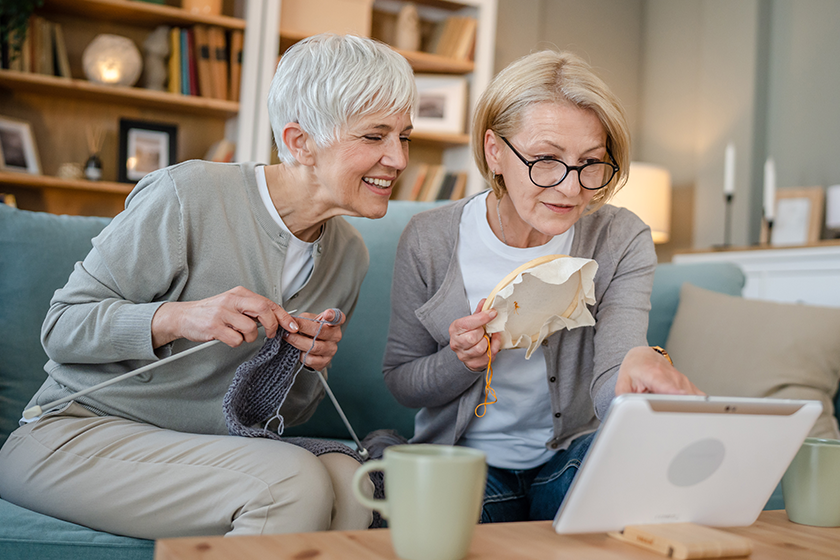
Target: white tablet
pixel 661 459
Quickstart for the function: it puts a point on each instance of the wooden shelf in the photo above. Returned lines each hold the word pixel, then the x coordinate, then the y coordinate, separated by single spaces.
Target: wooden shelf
pixel 420 61
pixel 445 139
pixel 46 182
pixel 52 85
pixel 140 13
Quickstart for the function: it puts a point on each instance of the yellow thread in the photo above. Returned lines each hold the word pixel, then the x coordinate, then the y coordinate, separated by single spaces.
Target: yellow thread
pixel 516 308
pixel 488 390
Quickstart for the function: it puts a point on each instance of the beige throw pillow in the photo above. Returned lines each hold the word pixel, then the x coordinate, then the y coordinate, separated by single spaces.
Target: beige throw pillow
pixel 731 346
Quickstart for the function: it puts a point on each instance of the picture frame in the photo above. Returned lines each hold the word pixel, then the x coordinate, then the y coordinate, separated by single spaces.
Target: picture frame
pixel 18 151
pixel 145 147
pixel 442 103
pixel 799 216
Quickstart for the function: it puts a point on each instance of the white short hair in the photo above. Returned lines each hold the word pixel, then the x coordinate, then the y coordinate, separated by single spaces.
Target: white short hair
pixel 326 80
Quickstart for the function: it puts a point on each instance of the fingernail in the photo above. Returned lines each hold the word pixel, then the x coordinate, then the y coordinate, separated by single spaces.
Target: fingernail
pixel 293 326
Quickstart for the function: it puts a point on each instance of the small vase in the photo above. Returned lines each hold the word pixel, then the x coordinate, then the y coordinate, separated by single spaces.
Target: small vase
pixel 93 168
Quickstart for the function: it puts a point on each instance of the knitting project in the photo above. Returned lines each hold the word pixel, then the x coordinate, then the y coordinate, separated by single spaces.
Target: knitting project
pixel 259 389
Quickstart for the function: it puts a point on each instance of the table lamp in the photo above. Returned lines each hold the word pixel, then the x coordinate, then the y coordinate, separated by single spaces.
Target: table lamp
pixel 648 195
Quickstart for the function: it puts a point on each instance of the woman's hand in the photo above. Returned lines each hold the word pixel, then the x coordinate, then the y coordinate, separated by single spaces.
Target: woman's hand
pixel 466 338
pixel 230 317
pixel 325 346
pixel 644 370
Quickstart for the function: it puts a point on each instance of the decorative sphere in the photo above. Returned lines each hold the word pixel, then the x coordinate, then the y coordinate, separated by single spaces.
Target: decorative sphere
pixel 112 60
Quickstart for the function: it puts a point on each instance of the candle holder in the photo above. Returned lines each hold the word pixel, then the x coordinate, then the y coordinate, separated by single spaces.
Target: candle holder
pixel 727 221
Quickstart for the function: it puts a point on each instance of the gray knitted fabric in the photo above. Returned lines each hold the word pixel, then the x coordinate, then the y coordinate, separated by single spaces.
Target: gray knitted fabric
pixel 258 390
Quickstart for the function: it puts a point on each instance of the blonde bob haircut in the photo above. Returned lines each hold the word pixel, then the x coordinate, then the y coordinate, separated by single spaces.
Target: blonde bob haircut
pixel 552 77
pixel 326 81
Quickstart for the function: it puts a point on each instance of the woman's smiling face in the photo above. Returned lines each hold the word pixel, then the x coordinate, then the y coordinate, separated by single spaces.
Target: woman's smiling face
pixel 562 131
pixel 360 168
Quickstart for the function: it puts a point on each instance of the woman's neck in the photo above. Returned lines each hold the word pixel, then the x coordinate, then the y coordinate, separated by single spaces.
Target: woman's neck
pixel 295 193
pixel 506 223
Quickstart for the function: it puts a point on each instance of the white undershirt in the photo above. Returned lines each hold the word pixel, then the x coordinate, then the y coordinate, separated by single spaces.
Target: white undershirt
pixel 299 254
pixel 514 431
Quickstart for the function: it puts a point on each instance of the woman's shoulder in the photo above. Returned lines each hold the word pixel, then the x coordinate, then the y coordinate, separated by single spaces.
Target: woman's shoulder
pixel 620 221
pixel 613 233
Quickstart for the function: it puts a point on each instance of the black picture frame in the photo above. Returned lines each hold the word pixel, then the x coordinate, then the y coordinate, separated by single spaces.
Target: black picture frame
pixel 145 147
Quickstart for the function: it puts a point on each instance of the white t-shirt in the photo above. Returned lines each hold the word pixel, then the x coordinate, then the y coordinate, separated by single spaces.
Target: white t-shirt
pixel 299 254
pixel 513 432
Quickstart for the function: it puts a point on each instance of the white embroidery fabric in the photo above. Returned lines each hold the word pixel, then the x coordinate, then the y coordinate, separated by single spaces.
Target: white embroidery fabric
pixel 541 297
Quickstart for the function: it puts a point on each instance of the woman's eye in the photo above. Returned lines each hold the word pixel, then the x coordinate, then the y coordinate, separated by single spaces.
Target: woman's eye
pixel 405 139
pixel 373 138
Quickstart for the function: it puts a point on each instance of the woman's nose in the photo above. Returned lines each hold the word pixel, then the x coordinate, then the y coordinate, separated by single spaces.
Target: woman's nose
pixel 570 185
pixel 396 155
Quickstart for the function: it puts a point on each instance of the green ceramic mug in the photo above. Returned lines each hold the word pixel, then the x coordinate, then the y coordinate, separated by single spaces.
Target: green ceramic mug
pixel 811 485
pixel 433 497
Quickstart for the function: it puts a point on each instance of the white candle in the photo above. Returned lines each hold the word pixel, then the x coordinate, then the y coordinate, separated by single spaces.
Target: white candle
pixel 729 170
pixel 769 189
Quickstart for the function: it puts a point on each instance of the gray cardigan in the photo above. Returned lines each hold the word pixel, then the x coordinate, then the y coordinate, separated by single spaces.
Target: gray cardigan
pixel 422 371
pixel 189 232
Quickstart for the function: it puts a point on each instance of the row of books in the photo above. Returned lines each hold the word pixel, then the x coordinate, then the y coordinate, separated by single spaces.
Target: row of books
pixel 42 51
pixel 454 38
pixel 205 60
pixel 424 182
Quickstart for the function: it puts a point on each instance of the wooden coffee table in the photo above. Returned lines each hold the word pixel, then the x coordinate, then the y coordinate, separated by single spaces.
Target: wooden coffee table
pixel 773 537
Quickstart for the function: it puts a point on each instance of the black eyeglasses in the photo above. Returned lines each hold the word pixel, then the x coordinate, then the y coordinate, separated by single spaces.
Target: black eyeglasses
pixel 548 172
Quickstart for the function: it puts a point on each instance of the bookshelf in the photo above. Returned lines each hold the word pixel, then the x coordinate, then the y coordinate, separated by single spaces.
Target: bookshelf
pixel 59 109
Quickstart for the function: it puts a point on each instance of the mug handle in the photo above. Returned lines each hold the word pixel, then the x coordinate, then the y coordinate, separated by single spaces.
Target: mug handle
pixel 379 505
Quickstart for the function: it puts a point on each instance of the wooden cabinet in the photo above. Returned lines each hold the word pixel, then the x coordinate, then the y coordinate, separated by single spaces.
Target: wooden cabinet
pixel 60 110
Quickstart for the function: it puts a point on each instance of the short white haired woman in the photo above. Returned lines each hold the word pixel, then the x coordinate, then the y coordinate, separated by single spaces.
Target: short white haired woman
pixel 552 142
pixel 206 251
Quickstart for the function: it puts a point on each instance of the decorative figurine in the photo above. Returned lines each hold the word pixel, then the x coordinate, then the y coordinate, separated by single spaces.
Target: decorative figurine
pixel 156 47
pixel 407 36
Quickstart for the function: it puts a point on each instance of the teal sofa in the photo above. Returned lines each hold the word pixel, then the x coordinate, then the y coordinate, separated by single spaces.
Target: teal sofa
pixel 37 253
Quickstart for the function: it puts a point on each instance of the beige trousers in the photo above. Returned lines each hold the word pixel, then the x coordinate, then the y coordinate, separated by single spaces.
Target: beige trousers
pixel 134 479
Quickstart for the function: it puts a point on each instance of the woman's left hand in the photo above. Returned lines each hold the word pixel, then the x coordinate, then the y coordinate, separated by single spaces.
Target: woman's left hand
pixel 644 370
pixel 324 347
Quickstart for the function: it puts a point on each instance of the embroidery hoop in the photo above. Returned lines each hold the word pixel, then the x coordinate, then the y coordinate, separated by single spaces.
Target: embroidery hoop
pixel 573 314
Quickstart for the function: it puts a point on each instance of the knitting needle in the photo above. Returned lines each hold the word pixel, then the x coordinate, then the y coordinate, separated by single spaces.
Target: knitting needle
pixel 36 410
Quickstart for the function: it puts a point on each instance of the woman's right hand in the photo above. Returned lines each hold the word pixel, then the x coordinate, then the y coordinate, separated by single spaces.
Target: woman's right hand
pixel 230 317
pixel 466 338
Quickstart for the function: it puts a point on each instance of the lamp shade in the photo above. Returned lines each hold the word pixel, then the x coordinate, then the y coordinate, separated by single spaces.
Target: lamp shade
pixel 648 195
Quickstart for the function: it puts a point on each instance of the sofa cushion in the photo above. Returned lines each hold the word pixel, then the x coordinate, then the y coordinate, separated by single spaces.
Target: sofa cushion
pixel 25 535
pixel 731 346
pixel 37 254
pixel 726 278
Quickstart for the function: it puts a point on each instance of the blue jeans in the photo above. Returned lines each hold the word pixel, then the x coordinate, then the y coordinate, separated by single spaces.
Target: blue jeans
pixel 533 494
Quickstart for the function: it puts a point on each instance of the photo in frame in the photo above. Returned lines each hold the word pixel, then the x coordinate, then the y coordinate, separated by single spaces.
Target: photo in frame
pixel 17 147
pixel 442 103
pixel 145 147
pixel 799 216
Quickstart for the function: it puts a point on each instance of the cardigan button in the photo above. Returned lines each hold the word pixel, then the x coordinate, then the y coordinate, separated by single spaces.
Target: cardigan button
pixel 544 342
pixel 552 379
pixel 557 415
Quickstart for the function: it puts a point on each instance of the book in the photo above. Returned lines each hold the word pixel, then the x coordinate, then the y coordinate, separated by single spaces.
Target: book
pixel 432 184
pixel 405 183
pixel 419 180
pixel 202 59
pixel 460 186
pixel 237 40
pixel 193 68
pixel 185 63
pixel 43 61
pixel 465 42
pixel 445 192
pixel 174 85
pixel 218 62
pixel 62 61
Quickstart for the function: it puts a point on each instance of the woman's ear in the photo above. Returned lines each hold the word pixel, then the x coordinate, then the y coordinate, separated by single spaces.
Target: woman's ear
pixel 491 151
pixel 298 144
